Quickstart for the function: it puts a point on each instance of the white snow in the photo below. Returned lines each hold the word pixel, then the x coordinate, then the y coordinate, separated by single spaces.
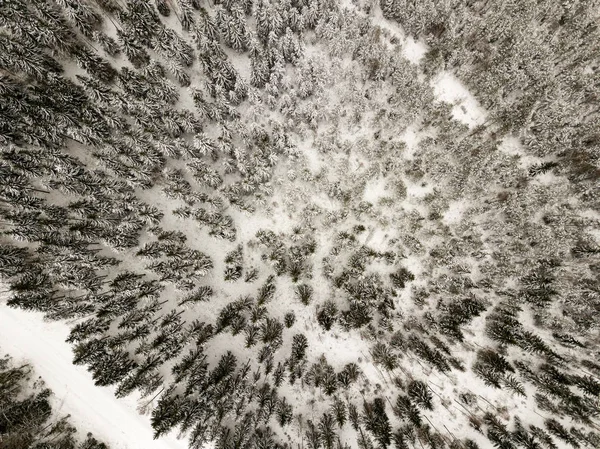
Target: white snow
pixel 447 88
pixel 411 138
pixel 590 214
pixel 417 190
pixel 313 159
pixel 378 239
pixel 26 336
pixel 455 211
pixel 414 50
pixel 512 146
pixel 374 189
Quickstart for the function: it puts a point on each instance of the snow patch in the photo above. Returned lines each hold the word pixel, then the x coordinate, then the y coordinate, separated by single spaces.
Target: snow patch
pixel 374 189
pixel 411 138
pixel 414 50
pixel 548 178
pixel 512 146
pixel 455 211
pixel 378 238
pixel 447 88
pixel 413 264
pixel 595 233
pixel 590 214
pixel 313 159
pixel 417 190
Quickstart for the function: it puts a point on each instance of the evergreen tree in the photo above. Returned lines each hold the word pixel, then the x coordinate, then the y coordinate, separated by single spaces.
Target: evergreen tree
pixel 313 436
pixel 382 355
pixel 491 366
pixel 326 431
pixel 289 319
pixel 406 409
pixel 556 428
pixel 377 422
pixel 338 409
pixel 284 412
pixel 327 314
pixel 419 392
pixel 322 374
pixel 304 293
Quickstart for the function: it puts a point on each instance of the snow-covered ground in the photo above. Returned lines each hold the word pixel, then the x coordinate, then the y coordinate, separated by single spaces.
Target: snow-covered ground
pixel 414 50
pixel 447 88
pixel 27 337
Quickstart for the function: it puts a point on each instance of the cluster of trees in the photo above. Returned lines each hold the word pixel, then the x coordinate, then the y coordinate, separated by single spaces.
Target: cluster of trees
pixel 534 436
pixel 459 313
pixel 226 404
pixel 368 295
pixel 173 261
pixel 554 74
pixel 289 255
pixel 27 419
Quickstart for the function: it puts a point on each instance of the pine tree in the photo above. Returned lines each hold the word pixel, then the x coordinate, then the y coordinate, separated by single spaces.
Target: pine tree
pixel 284 412
pixel 313 436
pixel 349 374
pixel 327 314
pixel 28 419
pixel 419 392
pixel 490 366
pixel 167 413
pixel 338 409
pixel 514 385
pixel 377 422
pixel 266 292
pixel 383 356
pixel 111 368
pixel 163 8
pixel 557 429
pixel 406 409
pixel 322 374
pixel 326 431
pixel 401 277
pixel 289 319
pixel 271 332
pixel 588 385
pixel 497 432
pixel 186 16
pixel 224 369
pixel 304 292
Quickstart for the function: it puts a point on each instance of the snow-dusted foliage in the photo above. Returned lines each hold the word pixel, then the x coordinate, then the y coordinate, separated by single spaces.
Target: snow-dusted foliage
pixel 334 224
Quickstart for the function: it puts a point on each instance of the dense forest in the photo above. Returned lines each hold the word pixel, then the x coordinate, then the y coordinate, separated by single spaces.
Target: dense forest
pixel 279 224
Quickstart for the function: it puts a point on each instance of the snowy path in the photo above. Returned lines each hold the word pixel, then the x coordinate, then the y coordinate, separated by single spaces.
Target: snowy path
pixel 24 335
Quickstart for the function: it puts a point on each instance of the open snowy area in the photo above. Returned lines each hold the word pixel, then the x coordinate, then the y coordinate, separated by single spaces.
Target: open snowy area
pixel 290 224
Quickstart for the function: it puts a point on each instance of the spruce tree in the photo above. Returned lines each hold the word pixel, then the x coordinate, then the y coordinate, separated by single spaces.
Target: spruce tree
pixel 419 392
